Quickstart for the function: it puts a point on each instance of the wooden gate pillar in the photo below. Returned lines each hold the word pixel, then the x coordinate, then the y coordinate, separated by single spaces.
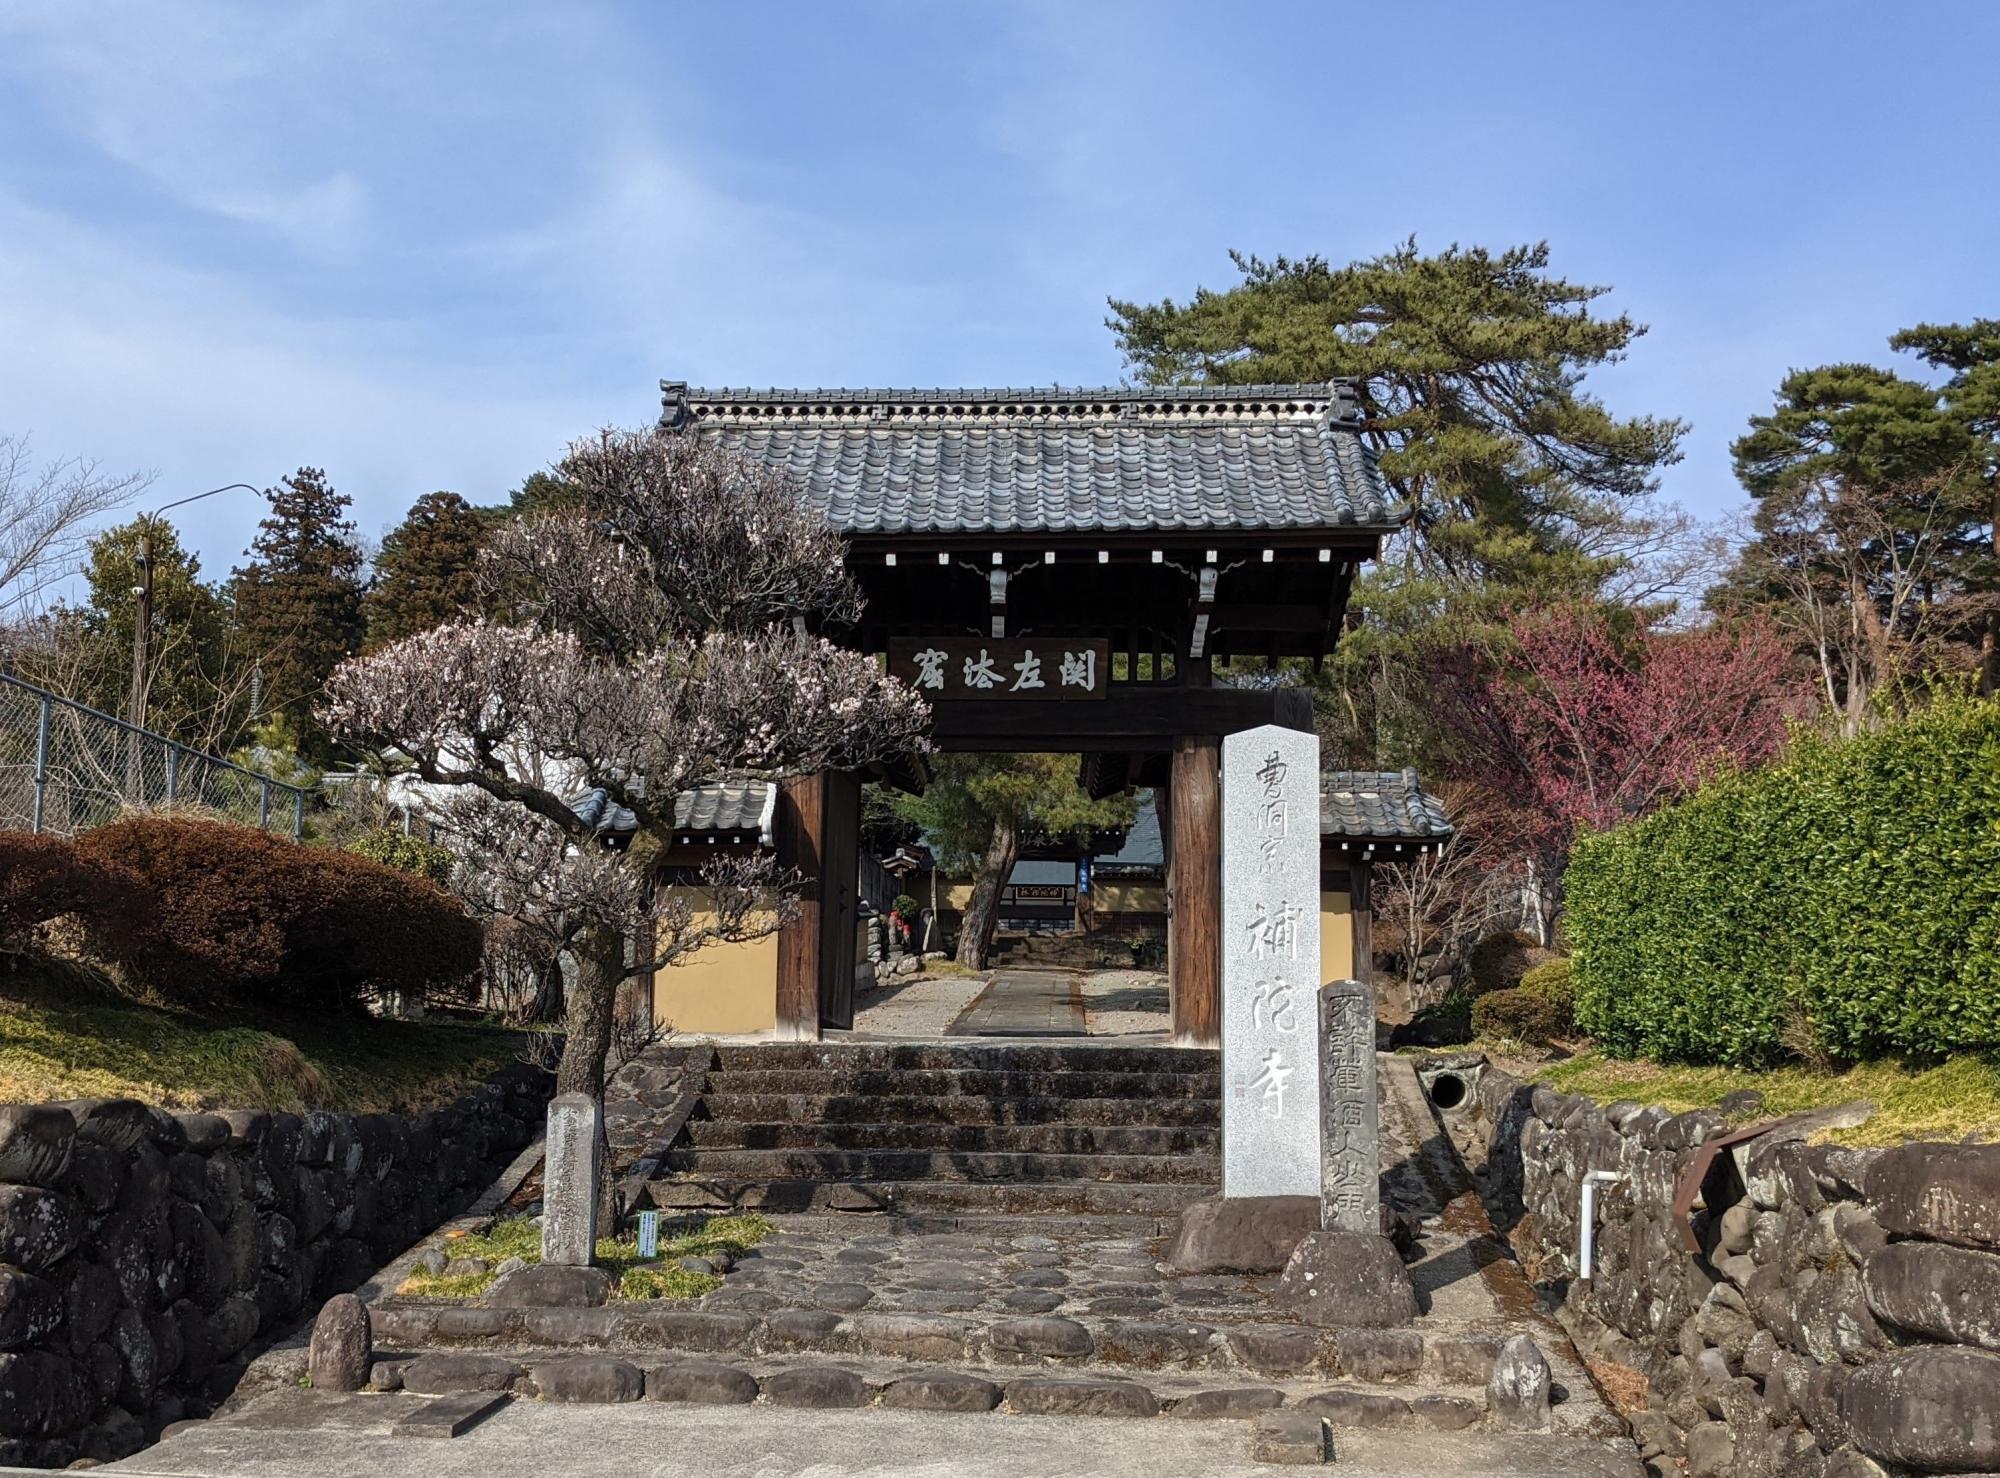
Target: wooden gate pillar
pixel 799 828
pixel 1194 879
pixel 817 834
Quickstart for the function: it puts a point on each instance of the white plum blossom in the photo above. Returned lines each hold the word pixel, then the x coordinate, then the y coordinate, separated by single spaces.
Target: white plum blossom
pixel 650 634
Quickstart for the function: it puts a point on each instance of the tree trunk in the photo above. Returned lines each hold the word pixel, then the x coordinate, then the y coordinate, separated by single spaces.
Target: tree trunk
pixel 600 965
pixel 982 911
pixel 592 1000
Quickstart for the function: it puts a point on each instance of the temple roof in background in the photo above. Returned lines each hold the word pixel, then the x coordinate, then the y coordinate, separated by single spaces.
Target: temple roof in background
pixel 972 461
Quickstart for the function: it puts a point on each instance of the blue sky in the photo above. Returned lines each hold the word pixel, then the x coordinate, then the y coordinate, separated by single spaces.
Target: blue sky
pixel 423 244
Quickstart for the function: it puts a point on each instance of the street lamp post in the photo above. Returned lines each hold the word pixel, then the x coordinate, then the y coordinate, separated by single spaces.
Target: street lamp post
pixel 142 628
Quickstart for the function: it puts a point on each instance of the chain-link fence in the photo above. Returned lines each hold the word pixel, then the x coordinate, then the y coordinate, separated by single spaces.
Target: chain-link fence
pixel 65 768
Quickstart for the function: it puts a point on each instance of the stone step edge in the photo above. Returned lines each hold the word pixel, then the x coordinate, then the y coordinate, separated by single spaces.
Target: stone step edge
pixel 603 1379
pixel 725 1107
pixel 887 1199
pixel 1143 1225
pixel 1266 1348
pixel 697 1132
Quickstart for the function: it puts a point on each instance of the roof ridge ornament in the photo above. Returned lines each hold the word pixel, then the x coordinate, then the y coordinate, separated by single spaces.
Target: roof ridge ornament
pixel 674 412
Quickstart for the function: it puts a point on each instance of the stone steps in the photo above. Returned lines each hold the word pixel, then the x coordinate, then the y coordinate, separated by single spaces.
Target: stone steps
pixel 894 1082
pixel 904 1165
pixel 958 1198
pixel 829 1109
pixel 1269 1351
pixel 959 1388
pixel 736 1133
pixel 936 1057
pixel 943 1129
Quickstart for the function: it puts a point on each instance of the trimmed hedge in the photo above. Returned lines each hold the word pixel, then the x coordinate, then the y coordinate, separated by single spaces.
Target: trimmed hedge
pixel 1540 1010
pixel 238 914
pixel 1843 901
pixel 43 878
pixel 1502 961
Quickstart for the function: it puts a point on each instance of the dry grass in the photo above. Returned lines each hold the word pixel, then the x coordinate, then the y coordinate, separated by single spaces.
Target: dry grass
pixel 66 1038
pixel 946 969
pixel 1947 1100
pixel 660 1277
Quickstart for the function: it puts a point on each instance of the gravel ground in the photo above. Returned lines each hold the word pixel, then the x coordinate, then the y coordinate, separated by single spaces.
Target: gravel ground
pixel 1127 1004
pixel 913 1008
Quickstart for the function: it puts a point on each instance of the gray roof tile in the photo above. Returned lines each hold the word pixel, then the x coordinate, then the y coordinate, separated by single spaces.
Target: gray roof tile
pixel 715 806
pixel 1058 461
pixel 1390 804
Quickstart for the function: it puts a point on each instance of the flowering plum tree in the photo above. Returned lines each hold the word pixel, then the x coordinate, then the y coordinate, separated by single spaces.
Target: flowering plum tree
pixel 1587 717
pixel 655 638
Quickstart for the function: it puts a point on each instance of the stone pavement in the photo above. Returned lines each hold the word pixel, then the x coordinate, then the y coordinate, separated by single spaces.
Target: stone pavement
pixel 297 1434
pixel 1130 1005
pixel 1024 1003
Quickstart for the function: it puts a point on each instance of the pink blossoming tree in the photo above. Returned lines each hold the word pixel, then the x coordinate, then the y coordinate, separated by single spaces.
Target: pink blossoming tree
pixel 656 639
pixel 1585 717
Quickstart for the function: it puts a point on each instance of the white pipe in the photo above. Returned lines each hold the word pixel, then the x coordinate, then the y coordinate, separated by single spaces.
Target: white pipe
pixel 1586 1232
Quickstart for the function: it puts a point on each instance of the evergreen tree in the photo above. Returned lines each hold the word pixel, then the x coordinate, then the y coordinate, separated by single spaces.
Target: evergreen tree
pixel 539 492
pixel 297 599
pixel 1519 485
pixel 1971 353
pixel 980 808
pixel 191 687
pixel 425 574
pixel 1875 519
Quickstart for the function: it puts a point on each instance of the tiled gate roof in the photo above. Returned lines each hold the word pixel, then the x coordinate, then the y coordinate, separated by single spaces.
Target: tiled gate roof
pixel 1204 459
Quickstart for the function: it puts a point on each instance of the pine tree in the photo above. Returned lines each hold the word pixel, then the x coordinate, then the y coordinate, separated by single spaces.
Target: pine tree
pixel 1519 485
pixel 425 573
pixel 1875 517
pixel 980 808
pixel 297 599
pixel 1971 352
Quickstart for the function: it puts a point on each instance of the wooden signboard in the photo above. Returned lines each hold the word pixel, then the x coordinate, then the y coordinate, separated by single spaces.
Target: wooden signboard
pixel 970 668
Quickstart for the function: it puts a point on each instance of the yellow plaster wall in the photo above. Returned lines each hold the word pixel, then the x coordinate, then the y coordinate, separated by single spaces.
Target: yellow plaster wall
pixel 1336 937
pixel 725 989
pixel 1106 897
pixel 1128 897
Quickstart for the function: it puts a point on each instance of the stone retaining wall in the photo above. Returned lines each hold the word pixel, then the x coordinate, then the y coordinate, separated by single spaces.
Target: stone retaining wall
pixel 1842 1317
pixel 143 1254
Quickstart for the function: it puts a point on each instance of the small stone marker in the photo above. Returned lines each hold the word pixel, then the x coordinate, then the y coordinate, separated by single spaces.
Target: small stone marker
pixel 1349 1129
pixel 1270 963
pixel 569 1180
pixel 649 1234
pixel 1517 1392
pixel 342 1343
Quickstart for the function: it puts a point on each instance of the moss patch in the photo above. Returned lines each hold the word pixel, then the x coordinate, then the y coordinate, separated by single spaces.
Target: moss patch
pixel 96 1049
pixel 658 1278
pixel 1940 1101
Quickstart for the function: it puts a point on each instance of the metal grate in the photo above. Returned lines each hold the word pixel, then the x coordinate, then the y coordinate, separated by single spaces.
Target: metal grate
pixel 65 768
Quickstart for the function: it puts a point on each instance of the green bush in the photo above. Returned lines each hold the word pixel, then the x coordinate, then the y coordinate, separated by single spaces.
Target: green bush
pixel 236 914
pixel 1551 977
pixel 1541 1009
pixel 1499 961
pixel 411 854
pixel 1843 901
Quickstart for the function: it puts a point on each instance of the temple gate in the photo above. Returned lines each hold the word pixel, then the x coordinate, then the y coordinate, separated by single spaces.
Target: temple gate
pixel 1061 570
